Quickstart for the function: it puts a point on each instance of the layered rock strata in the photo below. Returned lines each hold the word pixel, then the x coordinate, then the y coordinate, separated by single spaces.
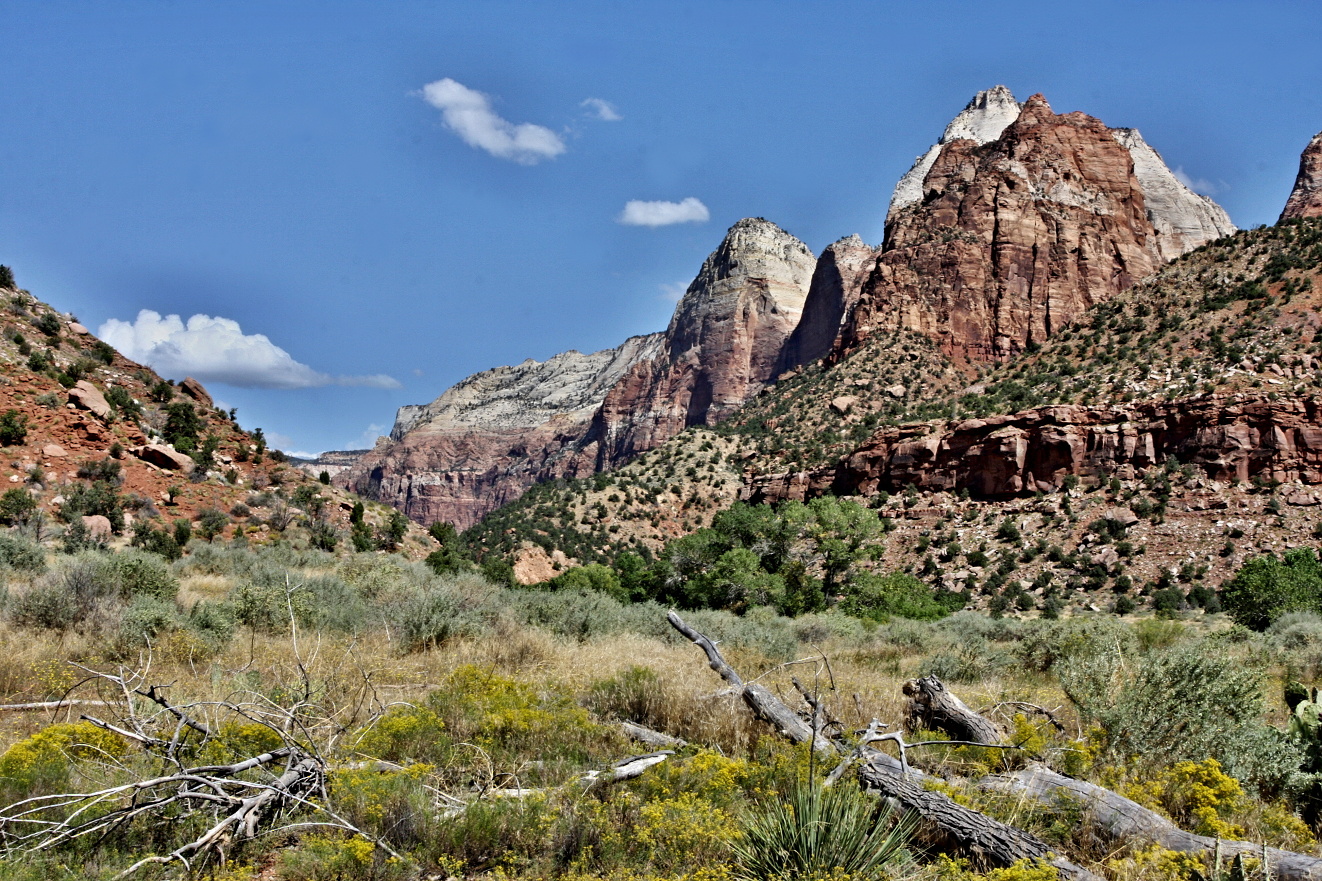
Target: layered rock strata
pixel 723 345
pixel 490 437
pixel 1306 197
pixel 1035 450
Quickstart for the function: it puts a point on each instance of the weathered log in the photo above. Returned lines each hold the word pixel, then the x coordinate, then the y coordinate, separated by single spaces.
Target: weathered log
pixel 934 707
pixel 991 842
pixel 1120 819
pixel 765 705
pixel 1114 816
pixel 650 737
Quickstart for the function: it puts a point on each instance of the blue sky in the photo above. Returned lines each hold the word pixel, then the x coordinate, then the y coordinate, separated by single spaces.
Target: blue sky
pixel 398 194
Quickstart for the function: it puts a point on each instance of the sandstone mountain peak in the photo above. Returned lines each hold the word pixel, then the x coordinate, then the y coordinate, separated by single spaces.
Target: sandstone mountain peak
pixel 982 120
pixel 723 344
pixel 1011 239
pixel 1182 219
pixel 1306 197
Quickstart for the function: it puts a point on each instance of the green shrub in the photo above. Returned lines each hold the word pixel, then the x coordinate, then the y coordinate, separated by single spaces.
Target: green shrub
pixel 211 523
pixel 13 428
pixel 182 425
pixel 19 553
pixel 821 833
pixel 1265 588
pixel 92 499
pixel 1178 704
pixel 156 541
pixel 430 617
pixel 144 619
pixel 869 595
pixel 16 506
pixel 141 574
pixel 48 324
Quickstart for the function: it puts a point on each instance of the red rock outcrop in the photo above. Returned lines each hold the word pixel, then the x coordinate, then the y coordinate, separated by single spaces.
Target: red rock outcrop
pixel 722 347
pixel 1306 197
pixel 1035 450
pixel 1012 239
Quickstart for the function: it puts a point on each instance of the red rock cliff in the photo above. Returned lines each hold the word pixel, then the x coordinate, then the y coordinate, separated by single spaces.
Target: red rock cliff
pixel 1035 450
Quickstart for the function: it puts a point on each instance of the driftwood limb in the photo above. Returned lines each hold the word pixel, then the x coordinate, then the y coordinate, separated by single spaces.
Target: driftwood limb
pixel 51 705
pixel 963 829
pixel 1114 816
pixel 934 707
pixel 650 737
pixel 765 705
pixel 1120 819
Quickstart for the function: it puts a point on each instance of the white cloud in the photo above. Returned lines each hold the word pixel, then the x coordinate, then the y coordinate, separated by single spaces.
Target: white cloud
pixel 1202 186
pixel 638 213
pixel 673 292
pixel 217 350
pixel 367 439
pixel 468 114
pixel 601 109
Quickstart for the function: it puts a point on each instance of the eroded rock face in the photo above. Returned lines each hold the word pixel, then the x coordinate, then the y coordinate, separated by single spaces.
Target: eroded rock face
pixel 723 345
pixel 1035 450
pixel 1306 197
pixel 1012 239
pixel 487 439
pixel 837 281
pixel 982 120
pixel 1182 219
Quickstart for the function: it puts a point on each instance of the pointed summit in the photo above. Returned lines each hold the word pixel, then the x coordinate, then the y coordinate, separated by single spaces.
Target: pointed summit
pixel 1306 197
pixel 982 120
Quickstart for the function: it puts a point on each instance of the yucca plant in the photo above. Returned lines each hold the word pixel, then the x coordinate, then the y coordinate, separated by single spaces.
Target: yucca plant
pixel 818 832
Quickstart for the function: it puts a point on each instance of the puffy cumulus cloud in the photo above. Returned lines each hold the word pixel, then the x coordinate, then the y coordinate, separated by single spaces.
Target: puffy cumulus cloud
pixel 217 350
pixel 468 114
pixel 599 108
pixel 638 213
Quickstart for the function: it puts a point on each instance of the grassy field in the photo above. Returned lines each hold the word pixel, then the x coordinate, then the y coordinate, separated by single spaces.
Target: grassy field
pixel 456 719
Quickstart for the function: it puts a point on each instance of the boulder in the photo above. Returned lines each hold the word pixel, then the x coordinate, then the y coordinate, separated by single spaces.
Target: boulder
pixel 843 404
pixel 88 397
pixel 98 526
pixel 53 451
pixel 164 457
pixel 194 390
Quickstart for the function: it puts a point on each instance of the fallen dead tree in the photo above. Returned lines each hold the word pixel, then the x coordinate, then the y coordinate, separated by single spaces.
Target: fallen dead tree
pixel 973 834
pixel 966 831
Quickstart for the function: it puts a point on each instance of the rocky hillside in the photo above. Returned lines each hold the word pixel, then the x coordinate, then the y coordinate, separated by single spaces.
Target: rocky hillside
pixel 99 448
pixel 1011 226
